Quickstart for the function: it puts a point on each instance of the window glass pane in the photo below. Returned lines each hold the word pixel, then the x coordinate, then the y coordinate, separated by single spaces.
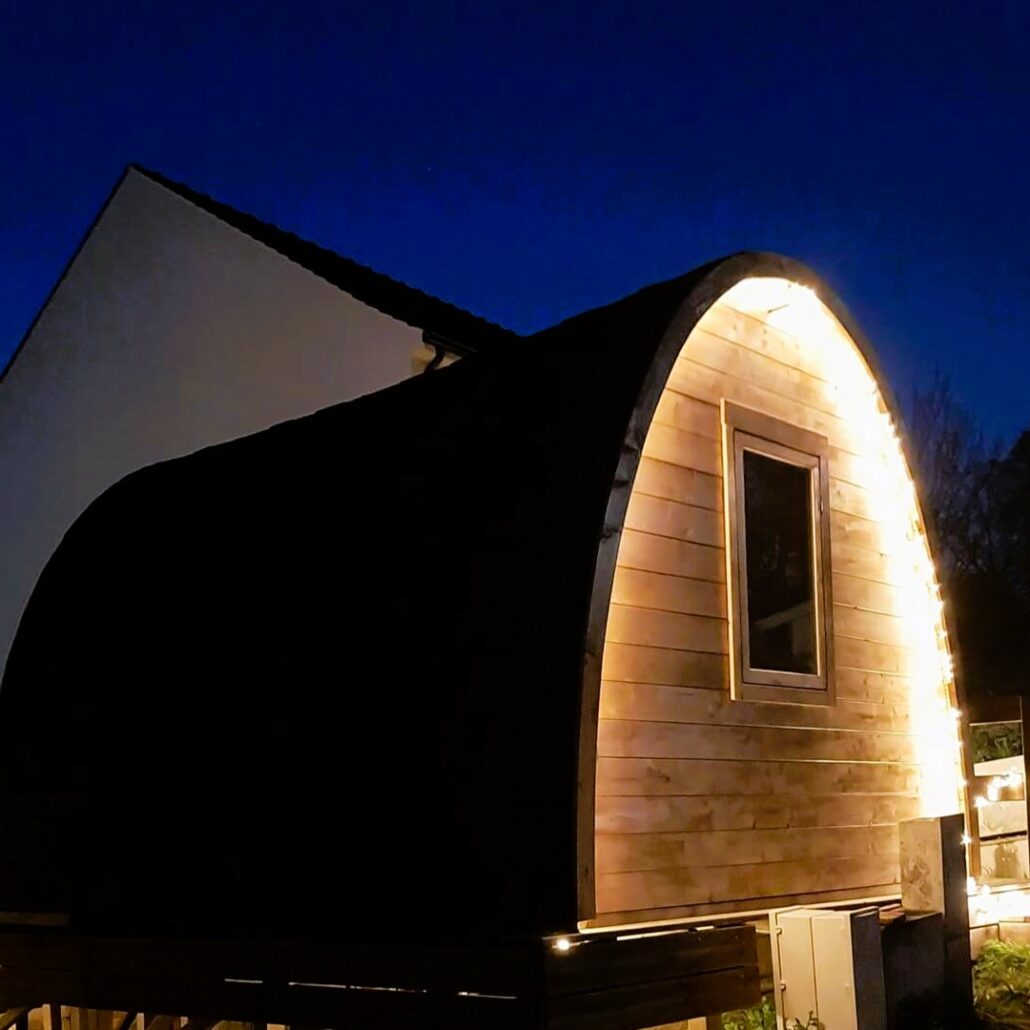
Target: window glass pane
pixel 780 573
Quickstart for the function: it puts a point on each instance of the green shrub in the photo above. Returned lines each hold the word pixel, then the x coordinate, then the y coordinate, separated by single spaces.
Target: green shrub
pixel 760 1017
pixel 992 740
pixel 763 1017
pixel 1001 985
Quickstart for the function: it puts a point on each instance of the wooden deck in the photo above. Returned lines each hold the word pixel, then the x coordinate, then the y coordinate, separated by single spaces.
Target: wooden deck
pixel 579 982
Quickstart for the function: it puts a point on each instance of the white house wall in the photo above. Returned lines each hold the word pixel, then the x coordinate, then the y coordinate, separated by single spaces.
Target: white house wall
pixel 170 332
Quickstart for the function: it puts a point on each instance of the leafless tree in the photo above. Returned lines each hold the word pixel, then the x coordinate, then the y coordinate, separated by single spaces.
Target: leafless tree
pixel 976 498
pixel 957 469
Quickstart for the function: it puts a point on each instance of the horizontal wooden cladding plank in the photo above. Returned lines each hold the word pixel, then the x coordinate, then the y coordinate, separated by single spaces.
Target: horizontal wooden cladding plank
pixel 752 366
pixel 861 469
pixel 874 566
pixel 739 906
pixel 873 657
pixel 689 414
pixel 823 812
pixel 868 595
pixel 663 517
pixel 668 593
pixel 675 483
pixel 679 447
pixel 642 852
pixel 856 531
pixel 852 521
pixel 652 553
pixel 635 664
pixel 629 739
pixel 697 445
pixel 854 500
pixel 874 687
pixel 874 626
pixel 698 501
pixel 630 625
pixel 650 702
pixel 744 329
pixel 692 379
pixel 700 428
pixel 693 777
pixel 698 886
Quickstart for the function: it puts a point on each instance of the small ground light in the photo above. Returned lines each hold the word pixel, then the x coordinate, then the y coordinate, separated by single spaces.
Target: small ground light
pixel 562 944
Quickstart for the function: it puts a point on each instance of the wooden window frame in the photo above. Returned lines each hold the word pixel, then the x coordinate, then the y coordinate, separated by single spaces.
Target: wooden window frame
pixel 744 429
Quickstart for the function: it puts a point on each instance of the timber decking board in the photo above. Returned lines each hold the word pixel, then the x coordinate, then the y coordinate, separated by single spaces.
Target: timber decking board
pixel 595 982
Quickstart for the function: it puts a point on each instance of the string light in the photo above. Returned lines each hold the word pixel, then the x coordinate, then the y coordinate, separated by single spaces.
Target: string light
pixel 854 396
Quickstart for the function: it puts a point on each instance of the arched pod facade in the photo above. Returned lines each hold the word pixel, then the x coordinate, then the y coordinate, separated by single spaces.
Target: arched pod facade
pixel 447 570
pixel 712 795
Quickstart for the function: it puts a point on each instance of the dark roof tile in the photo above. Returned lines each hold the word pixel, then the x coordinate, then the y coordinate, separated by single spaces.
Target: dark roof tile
pixel 464 330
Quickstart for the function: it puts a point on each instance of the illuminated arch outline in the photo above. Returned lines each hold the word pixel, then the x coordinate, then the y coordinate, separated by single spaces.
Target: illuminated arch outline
pixel 804 304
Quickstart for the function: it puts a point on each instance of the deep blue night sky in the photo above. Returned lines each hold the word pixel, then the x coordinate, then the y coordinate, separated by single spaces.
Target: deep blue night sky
pixel 527 161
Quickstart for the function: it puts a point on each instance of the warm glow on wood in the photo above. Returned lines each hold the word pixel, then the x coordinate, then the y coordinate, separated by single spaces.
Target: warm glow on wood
pixel 706 804
pixel 798 311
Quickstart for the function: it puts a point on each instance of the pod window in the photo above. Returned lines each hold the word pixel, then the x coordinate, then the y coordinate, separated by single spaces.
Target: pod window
pixel 778 555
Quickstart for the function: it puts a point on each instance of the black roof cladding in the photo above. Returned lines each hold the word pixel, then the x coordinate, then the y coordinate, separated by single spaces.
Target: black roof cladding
pixel 398 300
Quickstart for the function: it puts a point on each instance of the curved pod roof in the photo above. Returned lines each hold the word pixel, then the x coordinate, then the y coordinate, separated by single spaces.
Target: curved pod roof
pixel 343 675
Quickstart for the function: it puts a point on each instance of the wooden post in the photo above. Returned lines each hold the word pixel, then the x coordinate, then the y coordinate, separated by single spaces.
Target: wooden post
pixel 933 879
pixel 1024 716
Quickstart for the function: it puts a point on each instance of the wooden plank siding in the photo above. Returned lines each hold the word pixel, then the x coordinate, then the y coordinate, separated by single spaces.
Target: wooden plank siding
pixel 707 805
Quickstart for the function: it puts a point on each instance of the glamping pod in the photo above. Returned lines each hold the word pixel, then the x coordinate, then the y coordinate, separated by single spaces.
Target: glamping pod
pixel 633 620
pixel 776 684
